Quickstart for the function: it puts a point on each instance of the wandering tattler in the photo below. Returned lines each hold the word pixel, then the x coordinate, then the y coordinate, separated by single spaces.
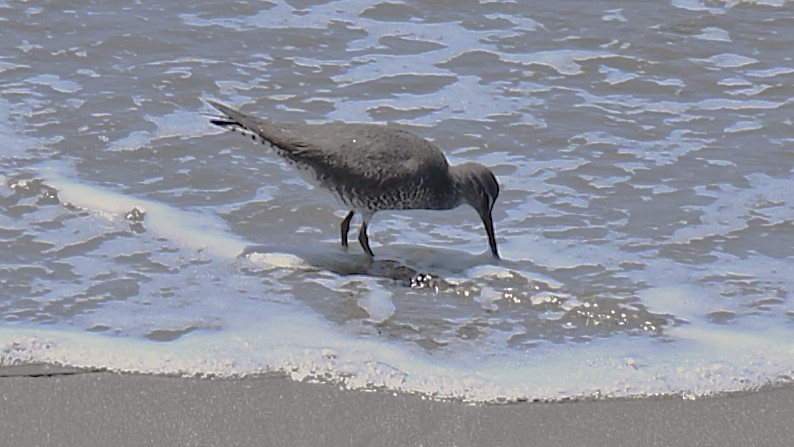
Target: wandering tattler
pixel 372 167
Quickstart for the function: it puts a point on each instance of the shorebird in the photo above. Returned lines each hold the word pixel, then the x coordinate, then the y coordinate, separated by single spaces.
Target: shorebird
pixel 373 167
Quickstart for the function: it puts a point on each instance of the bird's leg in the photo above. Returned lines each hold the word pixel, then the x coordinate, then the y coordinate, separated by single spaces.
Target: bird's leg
pixel 346 227
pixel 363 238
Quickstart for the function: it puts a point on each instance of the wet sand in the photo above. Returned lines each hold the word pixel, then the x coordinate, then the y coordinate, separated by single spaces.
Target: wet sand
pixel 43 406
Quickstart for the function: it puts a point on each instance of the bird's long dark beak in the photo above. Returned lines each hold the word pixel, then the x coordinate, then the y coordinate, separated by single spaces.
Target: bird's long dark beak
pixel 487 220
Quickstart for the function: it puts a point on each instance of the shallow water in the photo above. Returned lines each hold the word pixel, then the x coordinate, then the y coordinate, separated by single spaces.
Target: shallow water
pixel 645 220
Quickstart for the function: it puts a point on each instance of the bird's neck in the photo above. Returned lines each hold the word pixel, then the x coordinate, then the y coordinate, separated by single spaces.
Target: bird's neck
pixel 459 186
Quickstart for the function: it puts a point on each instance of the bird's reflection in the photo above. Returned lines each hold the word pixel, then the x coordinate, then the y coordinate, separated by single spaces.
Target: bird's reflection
pixel 418 276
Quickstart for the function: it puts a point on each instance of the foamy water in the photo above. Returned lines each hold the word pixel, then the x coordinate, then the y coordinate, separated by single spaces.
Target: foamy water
pixel 645 220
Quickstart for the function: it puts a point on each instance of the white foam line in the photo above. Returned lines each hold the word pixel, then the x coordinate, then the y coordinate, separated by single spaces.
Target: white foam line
pixel 306 347
pixel 187 228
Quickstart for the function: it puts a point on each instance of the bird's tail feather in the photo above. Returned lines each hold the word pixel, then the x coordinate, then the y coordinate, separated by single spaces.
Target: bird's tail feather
pixel 257 129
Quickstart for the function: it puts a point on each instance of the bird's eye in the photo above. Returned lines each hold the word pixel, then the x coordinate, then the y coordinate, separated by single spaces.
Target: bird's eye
pixel 486 199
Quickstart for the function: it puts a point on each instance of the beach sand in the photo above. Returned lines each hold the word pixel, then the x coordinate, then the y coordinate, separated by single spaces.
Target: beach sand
pixel 48 406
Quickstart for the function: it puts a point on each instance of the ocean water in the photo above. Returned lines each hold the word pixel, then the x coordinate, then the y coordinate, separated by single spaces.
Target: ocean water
pixel 645 153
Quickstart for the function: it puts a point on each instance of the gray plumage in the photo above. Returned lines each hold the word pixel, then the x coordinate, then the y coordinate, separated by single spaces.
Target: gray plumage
pixel 371 167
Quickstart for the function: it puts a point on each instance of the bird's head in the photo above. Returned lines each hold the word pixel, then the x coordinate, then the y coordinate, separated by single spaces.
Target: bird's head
pixel 478 187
